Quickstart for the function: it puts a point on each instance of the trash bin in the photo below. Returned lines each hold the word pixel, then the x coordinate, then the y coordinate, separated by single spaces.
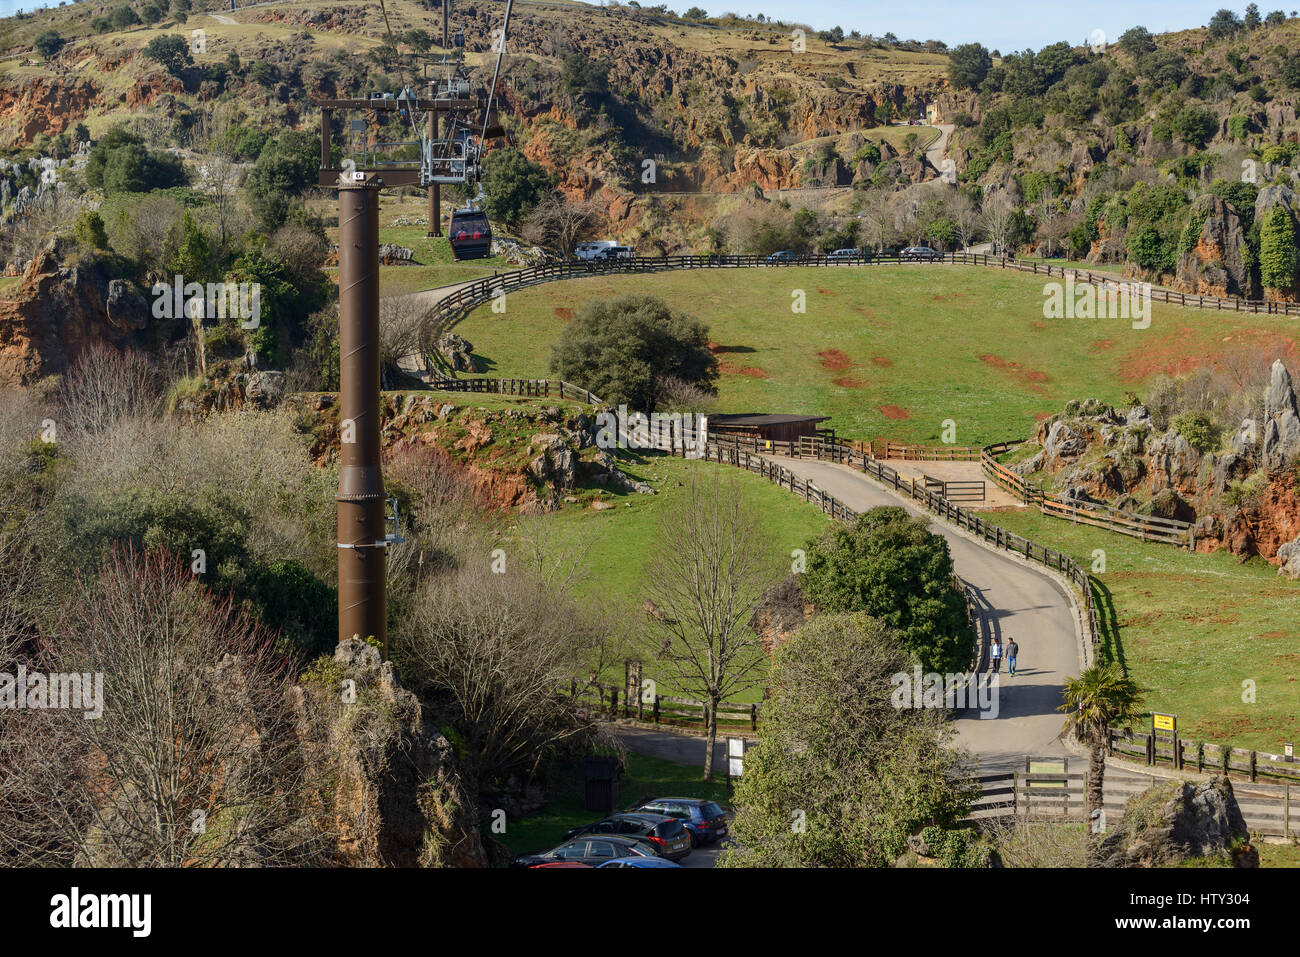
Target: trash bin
pixel 600 776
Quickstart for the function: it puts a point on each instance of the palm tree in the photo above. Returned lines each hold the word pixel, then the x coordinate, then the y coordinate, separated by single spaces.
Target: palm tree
pixel 1099 697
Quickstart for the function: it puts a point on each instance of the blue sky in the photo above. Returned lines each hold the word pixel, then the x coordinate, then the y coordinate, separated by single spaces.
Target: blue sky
pixel 1005 25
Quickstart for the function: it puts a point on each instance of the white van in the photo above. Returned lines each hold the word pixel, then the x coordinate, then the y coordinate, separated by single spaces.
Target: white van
pixel 592 249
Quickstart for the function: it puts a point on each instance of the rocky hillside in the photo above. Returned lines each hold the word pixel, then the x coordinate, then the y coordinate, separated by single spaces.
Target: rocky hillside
pixel 1242 490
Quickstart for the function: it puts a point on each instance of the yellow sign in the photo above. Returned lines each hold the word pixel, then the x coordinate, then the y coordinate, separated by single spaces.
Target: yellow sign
pixel 1164 722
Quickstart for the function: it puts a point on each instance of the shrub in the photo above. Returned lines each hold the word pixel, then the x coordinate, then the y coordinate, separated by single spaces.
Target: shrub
pixel 48 43
pixel 1198 429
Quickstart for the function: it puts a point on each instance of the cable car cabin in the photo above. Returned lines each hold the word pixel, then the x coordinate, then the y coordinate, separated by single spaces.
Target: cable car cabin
pixel 469 234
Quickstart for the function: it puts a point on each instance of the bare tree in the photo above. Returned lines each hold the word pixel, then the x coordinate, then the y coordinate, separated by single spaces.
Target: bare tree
pixel 192 760
pixel 965 214
pixel 560 224
pixel 999 216
pixel 706 578
pixel 104 387
pixel 877 217
pixel 401 331
pixel 497 649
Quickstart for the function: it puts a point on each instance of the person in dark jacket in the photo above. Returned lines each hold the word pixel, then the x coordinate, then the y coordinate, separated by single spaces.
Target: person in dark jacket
pixel 1012 649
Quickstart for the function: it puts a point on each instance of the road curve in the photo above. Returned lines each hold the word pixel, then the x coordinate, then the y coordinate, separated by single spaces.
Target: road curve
pixel 1015 600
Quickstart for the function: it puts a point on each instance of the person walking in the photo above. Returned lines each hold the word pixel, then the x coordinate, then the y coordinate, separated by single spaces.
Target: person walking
pixel 995 655
pixel 1012 649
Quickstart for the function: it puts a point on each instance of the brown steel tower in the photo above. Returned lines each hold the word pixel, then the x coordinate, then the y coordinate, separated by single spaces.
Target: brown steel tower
pixel 361 502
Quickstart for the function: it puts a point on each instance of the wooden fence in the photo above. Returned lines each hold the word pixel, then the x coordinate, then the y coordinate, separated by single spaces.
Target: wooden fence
pixel 1146 527
pixel 457 305
pixel 739 454
pixel 604 700
pixel 544 388
pixel 1202 756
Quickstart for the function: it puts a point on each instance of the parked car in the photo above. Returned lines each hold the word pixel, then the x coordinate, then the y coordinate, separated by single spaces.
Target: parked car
pixel 638 862
pixel 705 821
pixel 589 250
pixel 592 850
pixel 782 256
pixel 614 252
pixel 668 835
pixel 921 253
pixel 845 254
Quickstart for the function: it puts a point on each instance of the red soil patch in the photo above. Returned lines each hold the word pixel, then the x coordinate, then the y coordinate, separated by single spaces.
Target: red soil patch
pixel 729 368
pixel 824 292
pixel 895 412
pixel 564 312
pixel 1101 345
pixel 883 361
pixel 845 382
pixel 1040 325
pixel 1181 353
pixel 1041 416
pixel 834 361
pixel 1273 634
pixel 1017 371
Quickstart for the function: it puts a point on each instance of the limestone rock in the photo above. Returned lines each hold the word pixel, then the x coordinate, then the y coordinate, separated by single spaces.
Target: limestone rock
pixel 1177 820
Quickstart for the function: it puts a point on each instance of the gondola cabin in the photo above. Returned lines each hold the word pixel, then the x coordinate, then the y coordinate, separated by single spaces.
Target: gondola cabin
pixel 469 234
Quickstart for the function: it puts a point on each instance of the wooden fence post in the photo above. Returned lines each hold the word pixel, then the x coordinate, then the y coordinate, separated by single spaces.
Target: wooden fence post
pixel 656 711
pixel 753 717
pixel 1252 767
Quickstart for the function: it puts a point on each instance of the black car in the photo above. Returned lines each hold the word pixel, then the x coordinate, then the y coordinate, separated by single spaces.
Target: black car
pixel 668 834
pixel 921 253
pixel 590 849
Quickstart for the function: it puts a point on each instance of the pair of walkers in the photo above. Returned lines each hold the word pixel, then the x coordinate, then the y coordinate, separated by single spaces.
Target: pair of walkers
pixel 995 655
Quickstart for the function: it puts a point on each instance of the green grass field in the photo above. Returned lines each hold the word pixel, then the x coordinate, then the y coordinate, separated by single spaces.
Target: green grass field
pixel 891 351
pixel 618 544
pixel 1191 628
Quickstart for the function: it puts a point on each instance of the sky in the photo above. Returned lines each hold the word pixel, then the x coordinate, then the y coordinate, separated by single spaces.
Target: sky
pixel 1004 25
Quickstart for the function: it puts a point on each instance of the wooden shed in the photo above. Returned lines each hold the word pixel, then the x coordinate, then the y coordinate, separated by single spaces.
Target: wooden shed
pixel 774 428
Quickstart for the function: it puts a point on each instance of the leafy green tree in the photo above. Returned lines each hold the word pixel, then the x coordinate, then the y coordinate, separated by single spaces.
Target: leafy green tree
pixel 48 43
pixel 1277 249
pixel 284 168
pixel 1194 125
pixel 151 13
pixel 1252 19
pixel 581 75
pixel 839 776
pixel 418 40
pixel 514 184
pixel 695 13
pixel 1276 18
pixel 171 51
pixel 280 320
pixel 121 163
pixel 1136 41
pixel 123 17
pixel 1101 696
pixel 1224 23
pixel 968 65
pixel 623 349
pixel 890 566
pixel 89 230
pixel 1149 249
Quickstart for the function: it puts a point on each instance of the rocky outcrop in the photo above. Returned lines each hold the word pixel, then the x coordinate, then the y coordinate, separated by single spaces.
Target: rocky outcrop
pixel 1281 421
pixel 780 612
pixel 1178 820
pixel 458 351
pixel 61 311
pixel 1217 263
pixel 1270 197
pixel 393 794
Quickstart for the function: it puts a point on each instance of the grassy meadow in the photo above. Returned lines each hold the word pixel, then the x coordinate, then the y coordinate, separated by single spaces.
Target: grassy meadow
pixel 891 351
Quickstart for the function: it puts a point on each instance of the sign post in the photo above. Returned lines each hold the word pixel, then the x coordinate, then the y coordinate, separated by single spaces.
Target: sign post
pixel 735 758
pixel 1162 724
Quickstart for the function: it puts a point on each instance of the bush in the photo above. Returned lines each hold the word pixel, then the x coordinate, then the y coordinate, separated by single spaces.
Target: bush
pixel 48 43
pixel 624 349
pixel 171 51
pixel 890 566
pixel 514 184
pixel 89 230
pixel 1277 249
pixel 121 163
pixel 1199 431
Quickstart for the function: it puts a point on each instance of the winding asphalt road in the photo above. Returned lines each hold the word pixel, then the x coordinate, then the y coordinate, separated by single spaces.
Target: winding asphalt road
pixel 1014 600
